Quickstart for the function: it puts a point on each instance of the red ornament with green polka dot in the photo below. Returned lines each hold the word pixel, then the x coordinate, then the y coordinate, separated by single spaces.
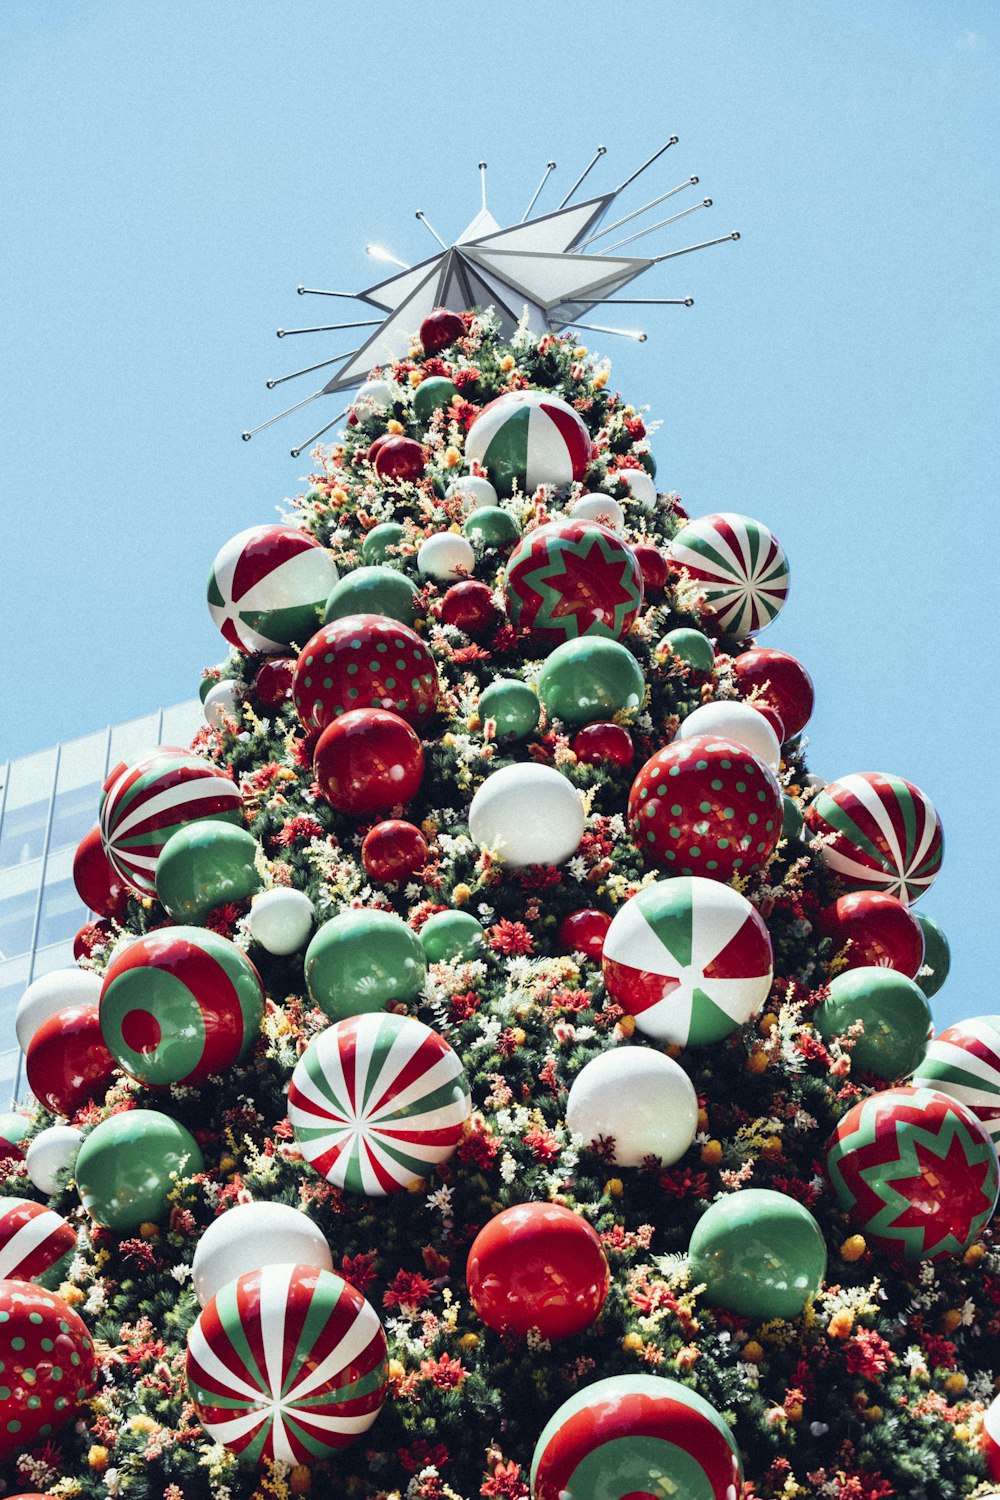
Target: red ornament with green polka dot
pixel 705 806
pixel 47 1365
pixel 365 661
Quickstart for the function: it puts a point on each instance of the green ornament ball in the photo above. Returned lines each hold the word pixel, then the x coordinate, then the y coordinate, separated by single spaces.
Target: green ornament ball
pixel 590 678
pixel 372 591
pixel 203 865
pixel 895 1015
pixel 127 1165
pixel 375 547
pixel 937 956
pixel 451 935
pixel 206 685
pixel 691 646
pixel 360 961
pixel 491 525
pixel 430 395
pixel 648 463
pixel 791 818
pixel 514 707
pixel 760 1254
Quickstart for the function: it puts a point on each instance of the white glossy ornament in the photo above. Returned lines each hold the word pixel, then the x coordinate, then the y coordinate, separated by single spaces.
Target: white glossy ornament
pixel 527 814
pixel 50 1153
pixel 222 702
pixel 445 556
pixel 372 397
pixel 600 508
pixel 281 920
pixel 640 487
pixel 50 993
pixel 641 1098
pixel 732 720
pixel 251 1236
pixel 475 491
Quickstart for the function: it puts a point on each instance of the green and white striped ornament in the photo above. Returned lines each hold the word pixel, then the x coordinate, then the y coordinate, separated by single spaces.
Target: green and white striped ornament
pixel 739 566
pixel 267 588
pixel 964 1063
pixel 376 1102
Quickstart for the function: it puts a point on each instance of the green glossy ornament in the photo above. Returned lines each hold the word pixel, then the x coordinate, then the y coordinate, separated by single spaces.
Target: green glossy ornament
pixel 205 864
pixel 450 935
pixel 206 685
pixel 430 395
pixel 691 646
pixel 648 463
pixel 372 591
pixel 937 956
pixel 360 961
pixel 759 1253
pixel 375 547
pixel 590 678
pixel 126 1167
pixel 491 525
pixel 513 705
pixel 896 1017
pixel 791 818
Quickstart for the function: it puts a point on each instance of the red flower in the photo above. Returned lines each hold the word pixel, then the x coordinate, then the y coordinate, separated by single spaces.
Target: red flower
pixel 359 1270
pixel 867 1354
pixel 469 653
pixel 940 1352
pixel 299 828
pixel 446 1373
pixel 464 1006
pixel 479 1145
pixel 682 1184
pixel 221 918
pixel 541 1143
pixel 510 937
pixel 407 1289
pixel 422 1454
pixel 540 877
pixel 635 427
pixel 506 1483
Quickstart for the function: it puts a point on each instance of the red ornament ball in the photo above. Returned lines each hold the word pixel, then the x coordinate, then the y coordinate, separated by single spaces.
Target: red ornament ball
pixel 469 606
pixel 584 932
pixel 48 1363
pixel 705 806
pixel 773 718
pixel 374 447
pixel 365 661
pixel 68 1062
pixel 653 563
pixel 394 850
pixel 98 884
pixel 441 328
pixel 537 1265
pixel 93 935
pixel 881 930
pixel 600 744
pixel 273 683
pixel 783 682
pixel 400 458
pixel 367 761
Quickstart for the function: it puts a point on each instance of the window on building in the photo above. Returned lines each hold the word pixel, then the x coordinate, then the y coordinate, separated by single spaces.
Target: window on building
pixel 62 915
pixel 17 920
pixel 74 814
pixel 23 834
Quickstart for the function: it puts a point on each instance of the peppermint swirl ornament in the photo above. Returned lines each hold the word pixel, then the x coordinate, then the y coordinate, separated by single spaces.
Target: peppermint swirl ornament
pixel 376 1101
pixel 739 567
pixel 572 578
pixel 365 661
pixel 527 438
pixel 916 1172
pixel 287 1363
pixel 268 586
pixel 880 833
pixel 32 1238
pixel 964 1063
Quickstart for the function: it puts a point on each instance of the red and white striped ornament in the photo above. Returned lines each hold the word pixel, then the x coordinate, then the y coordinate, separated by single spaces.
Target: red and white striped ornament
pixel 739 566
pixel 32 1238
pixel 880 833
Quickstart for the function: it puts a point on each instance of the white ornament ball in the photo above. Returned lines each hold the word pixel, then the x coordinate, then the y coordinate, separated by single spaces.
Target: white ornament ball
pixel 599 508
pixel 445 556
pixel 731 720
pixel 50 993
pixel 527 814
pixel 251 1236
pixel 281 920
pixel 50 1153
pixel 373 396
pixel 641 1098
pixel 814 783
pixel 640 487
pixel 476 492
pixel 222 702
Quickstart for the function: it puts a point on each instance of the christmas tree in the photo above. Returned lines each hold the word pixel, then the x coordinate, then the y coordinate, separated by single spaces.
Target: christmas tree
pixel 501 1068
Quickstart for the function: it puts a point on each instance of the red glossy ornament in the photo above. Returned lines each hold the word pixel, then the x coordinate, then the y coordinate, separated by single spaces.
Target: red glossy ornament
pixel 99 886
pixel 584 932
pixel 880 929
pixel 394 850
pixel 367 761
pixel 469 606
pixel 441 328
pixel 48 1362
pixel 273 683
pixel 400 458
pixel 537 1265
pixel 596 744
pixel 93 935
pixel 364 661
pixel 783 681
pixel 376 445
pixel 68 1062
pixel 653 564
pixel 773 718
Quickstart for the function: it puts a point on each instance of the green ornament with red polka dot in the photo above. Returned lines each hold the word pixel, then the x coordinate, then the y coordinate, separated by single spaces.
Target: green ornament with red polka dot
pixel 880 833
pixel 526 438
pixel 636 1437
pixel 365 661
pixel 705 806
pixel 569 579
pixel 32 1238
pixel 48 1366
pixel 738 566
pixel 179 1005
pixel 915 1171
pixel 267 587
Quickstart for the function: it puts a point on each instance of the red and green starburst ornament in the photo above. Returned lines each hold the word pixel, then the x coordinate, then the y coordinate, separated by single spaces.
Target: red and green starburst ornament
pixel 573 578
pixel 916 1172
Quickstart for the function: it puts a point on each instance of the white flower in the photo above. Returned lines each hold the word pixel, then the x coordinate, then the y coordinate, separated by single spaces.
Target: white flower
pixel 508 1167
pixel 180 1272
pixel 97 1298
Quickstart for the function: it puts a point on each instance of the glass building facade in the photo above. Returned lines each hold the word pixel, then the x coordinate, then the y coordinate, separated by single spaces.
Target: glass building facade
pixel 48 801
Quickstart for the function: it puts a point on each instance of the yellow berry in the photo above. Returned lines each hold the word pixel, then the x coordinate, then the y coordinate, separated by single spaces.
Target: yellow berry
pixel 771 1145
pixel 415 377
pixel 627 1025
pixel 149 1231
pixel 757 1062
pixel 853 1248
pixel 614 1187
pixel 452 457
pixel 396 428
pixel 396 1369
pixel 711 1153
pixel 673 1050
pixel 794 1412
pixel 507 363
pixel 461 894
pixel 631 1342
pixel 973 1255
pixel 519 1035
pixel 955 1384
pixel 703 1119
pixel 951 1320
pixel 767 1023
pixel 469 1341
pixel 841 1324
pixel 753 1352
pixel 962 1432
pixel 98 1457
pixel 872 1413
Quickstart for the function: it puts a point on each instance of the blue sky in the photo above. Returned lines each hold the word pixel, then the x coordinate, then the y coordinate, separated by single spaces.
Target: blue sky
pixel 171 173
